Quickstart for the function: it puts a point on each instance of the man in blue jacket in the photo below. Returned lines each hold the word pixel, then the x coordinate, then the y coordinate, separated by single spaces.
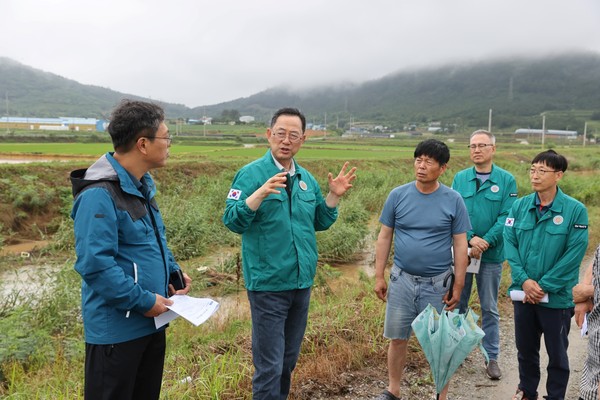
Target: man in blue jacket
pixel 276 205
pixel 545 239
pixel 123 258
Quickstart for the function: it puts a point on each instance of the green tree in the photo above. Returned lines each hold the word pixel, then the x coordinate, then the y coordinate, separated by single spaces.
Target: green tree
pixel 230 115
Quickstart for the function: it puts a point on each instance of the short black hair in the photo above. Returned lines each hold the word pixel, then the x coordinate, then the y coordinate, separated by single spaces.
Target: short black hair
pixel 132 119
pixel 289 111
pixel 552 159
pixel 435 149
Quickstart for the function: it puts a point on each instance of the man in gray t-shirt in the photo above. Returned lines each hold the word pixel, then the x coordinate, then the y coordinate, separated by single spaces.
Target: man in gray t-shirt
pixel 425 220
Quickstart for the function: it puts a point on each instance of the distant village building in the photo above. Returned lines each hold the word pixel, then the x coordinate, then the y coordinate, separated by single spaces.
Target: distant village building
pixel 550 133
pixel 434 127
pixel 247 119
pixel 54 124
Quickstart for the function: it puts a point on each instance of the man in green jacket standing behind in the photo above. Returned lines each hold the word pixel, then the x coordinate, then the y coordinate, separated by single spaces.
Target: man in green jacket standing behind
pixel 488 192
pixel 545 238
pixel 278 206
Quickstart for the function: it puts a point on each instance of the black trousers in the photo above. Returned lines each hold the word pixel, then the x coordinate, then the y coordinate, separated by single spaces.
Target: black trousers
pixel 125 371
pixel 531 321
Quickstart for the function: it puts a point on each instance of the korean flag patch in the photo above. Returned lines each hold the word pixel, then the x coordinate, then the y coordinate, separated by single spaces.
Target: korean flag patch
pixel 234 194
pixel 509 222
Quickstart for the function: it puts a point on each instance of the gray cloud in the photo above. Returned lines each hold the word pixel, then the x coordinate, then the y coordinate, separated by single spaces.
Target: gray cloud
pixel 205 52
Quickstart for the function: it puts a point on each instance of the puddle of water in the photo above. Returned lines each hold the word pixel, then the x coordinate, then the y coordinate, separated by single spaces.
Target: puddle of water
pixel 24 248
pixel 21 161
pixel 25 282
pixel 365 263
pixel 8 159
pixel 233 307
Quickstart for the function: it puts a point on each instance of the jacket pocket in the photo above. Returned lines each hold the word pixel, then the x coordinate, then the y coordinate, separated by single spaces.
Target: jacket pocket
pixel 553 229
pixel 491 196
pixel 523 225
pixel 306 204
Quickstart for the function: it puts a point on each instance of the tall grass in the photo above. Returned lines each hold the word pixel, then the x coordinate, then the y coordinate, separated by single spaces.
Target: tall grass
pixel 41 340
pixel 212 361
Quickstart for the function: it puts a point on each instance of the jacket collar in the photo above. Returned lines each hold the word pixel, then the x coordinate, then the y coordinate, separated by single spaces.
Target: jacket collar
pixel 106 168
pixel 493 175
pixel 274 168
pixel 557 204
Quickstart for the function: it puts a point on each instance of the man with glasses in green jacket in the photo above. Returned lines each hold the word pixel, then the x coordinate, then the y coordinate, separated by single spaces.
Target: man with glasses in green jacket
pixel 545 239
pixel 488 192
pixel 277 206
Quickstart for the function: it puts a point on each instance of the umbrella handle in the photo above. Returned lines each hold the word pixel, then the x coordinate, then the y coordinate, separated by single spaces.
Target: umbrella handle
pixel 451 277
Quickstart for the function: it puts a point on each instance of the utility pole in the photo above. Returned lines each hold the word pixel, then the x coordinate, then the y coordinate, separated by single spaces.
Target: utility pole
pixel 543 129
pixel 490 122
pixel 6 96
pixel 584 133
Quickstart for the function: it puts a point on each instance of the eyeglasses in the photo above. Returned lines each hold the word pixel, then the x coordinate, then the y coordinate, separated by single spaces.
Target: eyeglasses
pixel 540 172
pixel 479 146
pixel 168 139
pixel 293 136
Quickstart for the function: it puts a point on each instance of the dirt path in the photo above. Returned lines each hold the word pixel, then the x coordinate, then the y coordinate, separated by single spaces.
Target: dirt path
pixel 470 381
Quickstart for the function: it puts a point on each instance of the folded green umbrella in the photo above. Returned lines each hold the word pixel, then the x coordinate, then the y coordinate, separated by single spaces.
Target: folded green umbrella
pixel 447 339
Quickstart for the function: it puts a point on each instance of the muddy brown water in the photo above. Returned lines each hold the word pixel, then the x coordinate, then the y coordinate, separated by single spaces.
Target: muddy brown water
pixel 23 248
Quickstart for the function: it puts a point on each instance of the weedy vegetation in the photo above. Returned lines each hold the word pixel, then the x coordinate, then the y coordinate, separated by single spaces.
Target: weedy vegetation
pixel 41 333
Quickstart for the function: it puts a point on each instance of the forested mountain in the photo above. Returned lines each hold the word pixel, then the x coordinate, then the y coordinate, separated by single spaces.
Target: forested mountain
pixel 35 93
pixel 517 90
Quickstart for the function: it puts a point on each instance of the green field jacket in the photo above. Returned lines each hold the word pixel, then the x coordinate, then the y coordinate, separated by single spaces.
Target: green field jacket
pixel 279 245
pixel 488 207
pixel 548 250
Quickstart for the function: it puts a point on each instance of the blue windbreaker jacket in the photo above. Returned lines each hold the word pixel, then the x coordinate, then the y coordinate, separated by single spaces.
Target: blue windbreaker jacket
pixel 115 243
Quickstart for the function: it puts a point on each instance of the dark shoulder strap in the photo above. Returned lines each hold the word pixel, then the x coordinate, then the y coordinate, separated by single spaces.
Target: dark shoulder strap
pixel 124 201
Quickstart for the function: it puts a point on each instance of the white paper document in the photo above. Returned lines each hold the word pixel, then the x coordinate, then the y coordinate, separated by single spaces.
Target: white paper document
pixel 196 310
pixel 474 263
pixel 584 326
pixel 519 295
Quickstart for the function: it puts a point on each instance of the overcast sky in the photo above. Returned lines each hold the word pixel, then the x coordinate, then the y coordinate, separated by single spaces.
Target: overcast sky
pixel 199 52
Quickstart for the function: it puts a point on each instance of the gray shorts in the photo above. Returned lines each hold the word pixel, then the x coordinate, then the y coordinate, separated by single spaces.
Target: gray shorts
pixel 407 296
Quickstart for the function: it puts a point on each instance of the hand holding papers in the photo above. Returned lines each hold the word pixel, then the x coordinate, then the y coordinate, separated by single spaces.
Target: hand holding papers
pixel 584 326
pixel 195 310
pixel 519 295
pixel 474 263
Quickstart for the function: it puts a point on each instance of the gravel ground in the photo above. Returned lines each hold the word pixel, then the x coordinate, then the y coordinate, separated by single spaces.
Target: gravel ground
pixel 470 381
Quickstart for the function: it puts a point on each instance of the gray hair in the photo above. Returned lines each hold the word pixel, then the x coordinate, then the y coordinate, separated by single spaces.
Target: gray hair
pixel 484 132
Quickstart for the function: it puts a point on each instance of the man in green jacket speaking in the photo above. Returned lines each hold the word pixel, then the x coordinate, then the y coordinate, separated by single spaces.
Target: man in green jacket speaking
pixel 545 239
pixel 277 206
pixel 488 192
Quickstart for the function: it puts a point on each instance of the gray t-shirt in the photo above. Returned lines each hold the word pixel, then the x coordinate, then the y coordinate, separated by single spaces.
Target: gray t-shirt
pixel 423 227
